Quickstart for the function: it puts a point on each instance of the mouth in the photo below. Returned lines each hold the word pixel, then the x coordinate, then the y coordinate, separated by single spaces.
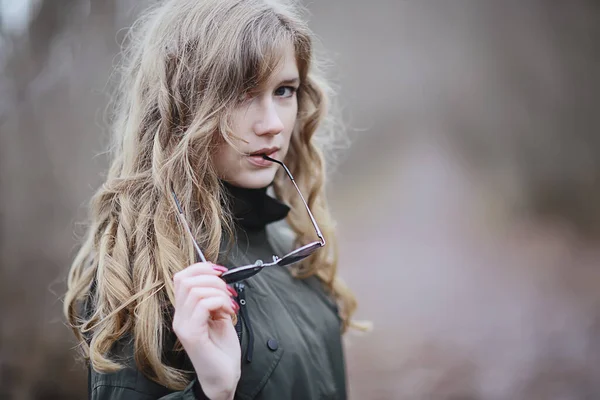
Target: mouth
pixel 258 159
pixel 267 151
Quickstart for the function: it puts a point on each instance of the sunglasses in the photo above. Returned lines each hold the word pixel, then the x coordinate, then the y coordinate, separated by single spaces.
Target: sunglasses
pixel 237 274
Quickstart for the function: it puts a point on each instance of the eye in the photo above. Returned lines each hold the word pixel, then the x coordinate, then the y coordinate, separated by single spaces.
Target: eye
pixel 285 91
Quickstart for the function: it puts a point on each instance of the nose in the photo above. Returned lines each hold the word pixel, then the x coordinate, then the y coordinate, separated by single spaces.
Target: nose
pixel 269 122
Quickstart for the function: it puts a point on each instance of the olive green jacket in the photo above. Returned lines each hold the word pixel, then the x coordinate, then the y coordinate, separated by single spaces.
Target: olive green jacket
pixel 289 331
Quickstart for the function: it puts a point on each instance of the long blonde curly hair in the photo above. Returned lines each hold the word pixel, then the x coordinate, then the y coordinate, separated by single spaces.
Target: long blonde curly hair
pixel 186 65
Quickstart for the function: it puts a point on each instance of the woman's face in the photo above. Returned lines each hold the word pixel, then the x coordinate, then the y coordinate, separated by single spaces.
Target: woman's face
pixel 264 123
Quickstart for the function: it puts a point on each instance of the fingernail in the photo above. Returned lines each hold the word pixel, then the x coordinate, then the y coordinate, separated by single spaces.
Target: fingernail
pixel 232 291
pixel 235 305
pixel 219 268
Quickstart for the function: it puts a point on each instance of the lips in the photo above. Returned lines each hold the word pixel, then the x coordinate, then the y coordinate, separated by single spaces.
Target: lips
pixel 265 150
pixel 256 158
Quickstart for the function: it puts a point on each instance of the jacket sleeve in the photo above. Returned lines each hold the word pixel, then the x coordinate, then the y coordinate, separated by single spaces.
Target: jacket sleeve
pixel 130 384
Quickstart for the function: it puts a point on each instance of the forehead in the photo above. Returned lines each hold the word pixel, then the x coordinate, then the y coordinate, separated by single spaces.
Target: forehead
pixel 286 67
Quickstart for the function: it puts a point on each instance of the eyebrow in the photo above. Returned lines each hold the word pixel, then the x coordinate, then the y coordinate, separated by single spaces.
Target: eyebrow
pixel 290 81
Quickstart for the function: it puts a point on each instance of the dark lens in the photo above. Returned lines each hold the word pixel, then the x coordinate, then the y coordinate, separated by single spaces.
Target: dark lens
pixel 236 275
pixel 299 254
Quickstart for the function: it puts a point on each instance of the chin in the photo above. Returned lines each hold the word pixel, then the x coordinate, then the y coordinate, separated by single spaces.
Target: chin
pixel 255 179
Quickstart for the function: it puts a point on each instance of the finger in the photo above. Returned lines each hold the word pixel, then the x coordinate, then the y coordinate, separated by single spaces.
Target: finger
pixel 218 307
pixel 230 309
pixel 198 294
pixel 189 313
pixel 200 281
pixel 215 306
pixel 203 268
pixel 235 308
pixel 200 269
pixel 203 281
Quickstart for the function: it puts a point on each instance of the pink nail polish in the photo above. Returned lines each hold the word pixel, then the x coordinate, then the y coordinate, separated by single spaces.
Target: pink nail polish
pixel 232 291
pixel 219 268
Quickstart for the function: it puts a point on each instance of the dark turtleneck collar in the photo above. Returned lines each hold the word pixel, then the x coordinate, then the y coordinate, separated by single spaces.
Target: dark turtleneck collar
pixel 253 209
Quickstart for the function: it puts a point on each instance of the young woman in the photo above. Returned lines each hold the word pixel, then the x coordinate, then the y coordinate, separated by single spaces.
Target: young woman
pixel 209 269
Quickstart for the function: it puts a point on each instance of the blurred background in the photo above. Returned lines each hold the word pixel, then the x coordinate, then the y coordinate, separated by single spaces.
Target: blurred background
pixel 468 203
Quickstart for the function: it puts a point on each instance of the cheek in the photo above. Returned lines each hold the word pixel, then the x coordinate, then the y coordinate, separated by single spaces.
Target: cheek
pixel 290 122
pixel 240 123
pixel 224 160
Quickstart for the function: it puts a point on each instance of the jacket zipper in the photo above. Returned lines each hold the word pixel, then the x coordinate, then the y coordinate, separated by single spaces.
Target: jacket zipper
pixel 240 287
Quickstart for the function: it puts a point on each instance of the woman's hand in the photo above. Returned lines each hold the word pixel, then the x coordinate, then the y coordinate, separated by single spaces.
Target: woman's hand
pixel 203 324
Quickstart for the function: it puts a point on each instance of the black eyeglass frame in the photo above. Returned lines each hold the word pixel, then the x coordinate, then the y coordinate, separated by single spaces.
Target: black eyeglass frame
pixel 237 274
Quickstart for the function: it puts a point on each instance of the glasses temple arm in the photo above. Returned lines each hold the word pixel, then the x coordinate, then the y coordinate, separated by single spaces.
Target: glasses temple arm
pixel 289 174
pixel 187 227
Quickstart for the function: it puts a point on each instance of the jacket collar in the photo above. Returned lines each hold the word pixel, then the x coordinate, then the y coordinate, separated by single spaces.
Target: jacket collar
pixel 253 209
